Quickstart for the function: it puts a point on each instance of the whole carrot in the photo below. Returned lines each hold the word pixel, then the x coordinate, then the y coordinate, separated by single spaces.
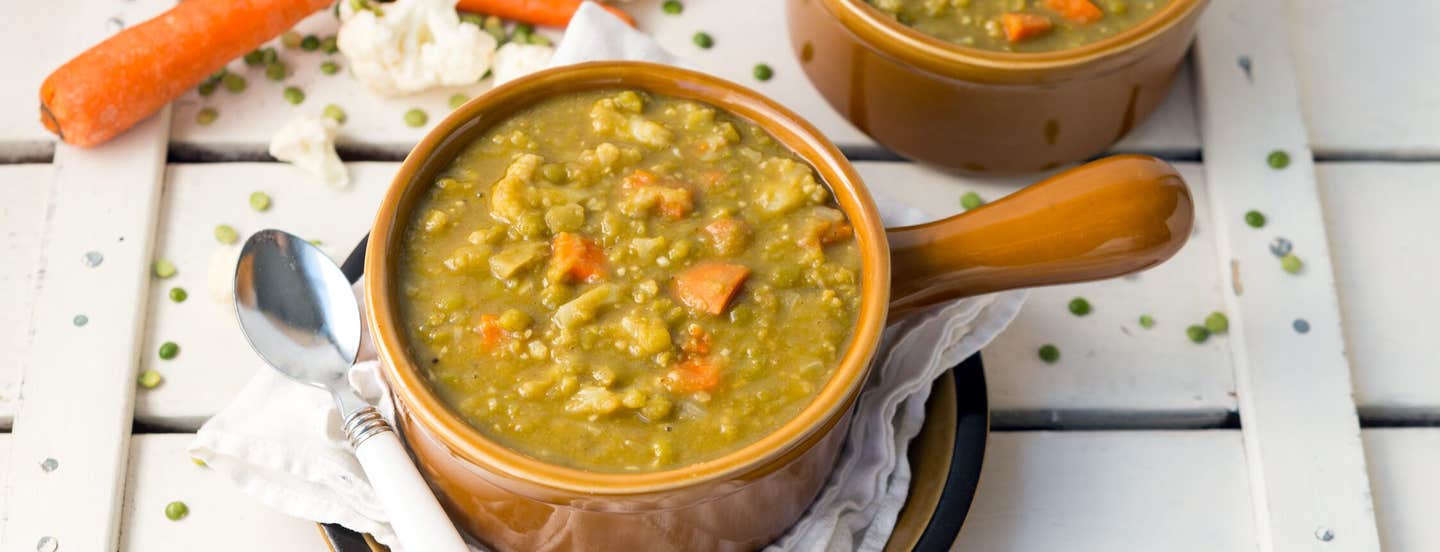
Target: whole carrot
pixel 117 83
pixel 550 13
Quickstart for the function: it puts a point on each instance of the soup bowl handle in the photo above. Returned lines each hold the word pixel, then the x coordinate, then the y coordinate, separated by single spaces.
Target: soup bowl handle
pixel 1106 218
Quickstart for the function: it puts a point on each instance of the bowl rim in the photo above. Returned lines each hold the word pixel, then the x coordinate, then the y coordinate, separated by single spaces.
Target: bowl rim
pixel 882 32
pixel 420 401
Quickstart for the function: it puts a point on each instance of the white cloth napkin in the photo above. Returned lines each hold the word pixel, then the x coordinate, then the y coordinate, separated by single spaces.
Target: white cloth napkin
pixel 281 443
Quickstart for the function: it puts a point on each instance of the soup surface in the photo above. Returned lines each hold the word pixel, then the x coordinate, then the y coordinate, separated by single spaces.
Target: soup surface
pixel 621 282
pixel 1020 25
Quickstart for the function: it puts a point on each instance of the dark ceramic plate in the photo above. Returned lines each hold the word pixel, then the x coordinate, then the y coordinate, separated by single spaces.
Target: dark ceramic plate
pixel 945 459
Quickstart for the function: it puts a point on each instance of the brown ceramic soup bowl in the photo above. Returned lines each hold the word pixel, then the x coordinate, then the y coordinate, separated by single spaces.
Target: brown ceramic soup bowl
pixel 1104 219
pixel 977 110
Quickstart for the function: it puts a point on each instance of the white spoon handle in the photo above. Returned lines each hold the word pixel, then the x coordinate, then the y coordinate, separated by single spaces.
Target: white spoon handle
pixel 419 522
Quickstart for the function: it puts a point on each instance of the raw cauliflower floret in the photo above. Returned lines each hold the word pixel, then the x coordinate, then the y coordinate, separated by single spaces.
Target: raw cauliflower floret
pixel 513 194
pixel 620 117
pixel 515 60
pixel 414 46
pixel 308 142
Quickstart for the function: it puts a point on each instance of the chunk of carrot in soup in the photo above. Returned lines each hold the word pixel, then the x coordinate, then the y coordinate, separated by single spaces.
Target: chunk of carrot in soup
pixel 577 258
pixel 491 334
pixel 1021 26
pixel 638 179
pixel 676 204
pixel 1084 12
pixel 709 287
pixel 693 374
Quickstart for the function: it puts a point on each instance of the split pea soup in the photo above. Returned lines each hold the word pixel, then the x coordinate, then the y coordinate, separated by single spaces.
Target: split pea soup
pixel 619 281
pixel 1020 25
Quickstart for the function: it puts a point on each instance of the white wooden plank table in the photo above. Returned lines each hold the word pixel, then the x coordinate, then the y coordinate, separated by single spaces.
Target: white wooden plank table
pixel 1367 76
pixel 99 199
pixel 22 218
pixel 1382 223
pixel 221 519
pixel 5 460
pixel 1292 377
pixel 49 35
pixel 87 316
pixel 1402 474
pixel 1080 491
pixel 1166 486
pixel 1083 490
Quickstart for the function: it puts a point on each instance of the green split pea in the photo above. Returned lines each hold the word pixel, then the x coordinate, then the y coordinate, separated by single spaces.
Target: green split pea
pixel 1197 333
pixel 149 379
pixel 225 234
pixel 1255 219
pixel 1217 323
pixel 763 72
pixel 334 113
pixel 233 82
pixel 294 95
pixel 175 511
pixel 260 201
pixel 1291 264
pixel 206 116
pixel 971 200
pixel 276 71
pixel 1049 353
pixel 163 268
pixel 1278 159
pixel 168 350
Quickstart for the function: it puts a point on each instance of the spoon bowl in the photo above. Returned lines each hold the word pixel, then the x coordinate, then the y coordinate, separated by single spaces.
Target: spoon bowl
pixel 299 313
pixel 296 308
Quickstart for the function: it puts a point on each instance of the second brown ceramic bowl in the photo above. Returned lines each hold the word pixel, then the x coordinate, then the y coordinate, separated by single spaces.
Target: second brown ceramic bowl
pixel 981 111
pixel 1105 219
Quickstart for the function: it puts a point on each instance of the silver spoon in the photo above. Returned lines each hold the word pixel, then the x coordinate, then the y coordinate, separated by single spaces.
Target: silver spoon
pixel 298 312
